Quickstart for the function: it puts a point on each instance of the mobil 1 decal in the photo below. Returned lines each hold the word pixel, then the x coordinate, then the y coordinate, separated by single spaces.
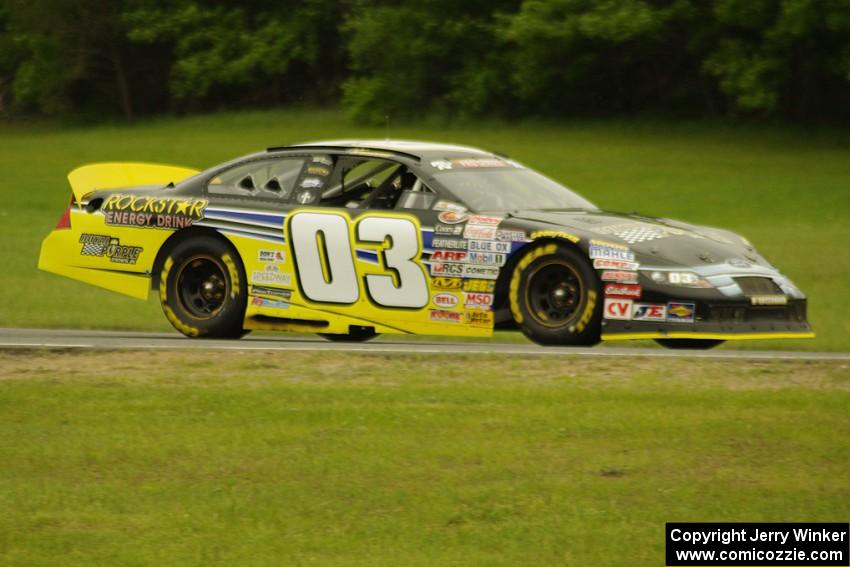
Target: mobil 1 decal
pixel 328 271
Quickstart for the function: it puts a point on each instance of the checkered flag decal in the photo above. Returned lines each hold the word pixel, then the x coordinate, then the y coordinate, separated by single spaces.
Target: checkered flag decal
pixel 96 244
pixel 93 249
pixel 634 232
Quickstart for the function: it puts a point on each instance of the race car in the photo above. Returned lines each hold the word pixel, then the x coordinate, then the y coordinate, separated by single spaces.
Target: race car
pixel 351 239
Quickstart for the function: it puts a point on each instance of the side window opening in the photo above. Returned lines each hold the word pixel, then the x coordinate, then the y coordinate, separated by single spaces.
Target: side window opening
pixel 356 181
pixel 268 179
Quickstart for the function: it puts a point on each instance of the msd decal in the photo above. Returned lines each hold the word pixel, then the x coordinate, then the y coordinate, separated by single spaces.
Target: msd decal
pixel 478 300
pixel 649 312
pixel 617 309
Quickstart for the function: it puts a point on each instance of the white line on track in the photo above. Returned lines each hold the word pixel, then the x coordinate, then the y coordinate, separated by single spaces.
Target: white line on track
pixel 103 340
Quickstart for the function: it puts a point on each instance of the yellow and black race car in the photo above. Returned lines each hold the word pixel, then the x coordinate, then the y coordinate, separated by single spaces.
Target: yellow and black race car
pixel 350 239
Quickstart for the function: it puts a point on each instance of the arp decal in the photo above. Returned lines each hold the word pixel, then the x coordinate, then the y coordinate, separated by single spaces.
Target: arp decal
pixel 448 256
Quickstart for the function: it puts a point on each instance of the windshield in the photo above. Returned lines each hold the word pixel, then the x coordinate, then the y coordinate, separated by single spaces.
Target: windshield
pixel 509 189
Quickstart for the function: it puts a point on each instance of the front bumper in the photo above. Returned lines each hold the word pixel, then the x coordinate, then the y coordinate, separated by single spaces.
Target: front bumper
pixel 725 320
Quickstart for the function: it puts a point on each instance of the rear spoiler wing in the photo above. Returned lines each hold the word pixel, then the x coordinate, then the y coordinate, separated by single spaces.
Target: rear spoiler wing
pixel 113 175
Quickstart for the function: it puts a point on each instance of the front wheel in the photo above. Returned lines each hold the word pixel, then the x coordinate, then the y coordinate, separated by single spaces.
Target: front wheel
pixel 554 297
pixel 699 344
pixel 202 289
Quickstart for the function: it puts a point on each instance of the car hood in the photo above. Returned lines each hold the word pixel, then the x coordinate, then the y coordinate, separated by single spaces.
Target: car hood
pixel 655 241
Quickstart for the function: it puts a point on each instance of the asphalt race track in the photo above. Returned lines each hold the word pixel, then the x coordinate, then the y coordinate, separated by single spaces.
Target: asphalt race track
pixel 94 340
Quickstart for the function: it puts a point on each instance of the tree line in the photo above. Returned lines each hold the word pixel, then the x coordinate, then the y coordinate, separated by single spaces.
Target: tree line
pixel 785 59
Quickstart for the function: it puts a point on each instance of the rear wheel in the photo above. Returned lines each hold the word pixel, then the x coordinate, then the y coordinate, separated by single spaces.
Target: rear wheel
pixel 700 344
pixel 202 289
pixel 554 297
pixel 355 334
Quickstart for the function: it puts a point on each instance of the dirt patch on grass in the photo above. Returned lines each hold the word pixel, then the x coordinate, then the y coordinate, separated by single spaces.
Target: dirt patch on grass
pixel 247 369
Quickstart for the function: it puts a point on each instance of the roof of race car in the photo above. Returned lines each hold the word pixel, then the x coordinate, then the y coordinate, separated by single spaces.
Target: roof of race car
pixel 412 148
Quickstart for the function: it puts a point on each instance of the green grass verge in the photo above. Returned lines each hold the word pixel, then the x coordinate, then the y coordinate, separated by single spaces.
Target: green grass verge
pixel 126 458
pixel 787 191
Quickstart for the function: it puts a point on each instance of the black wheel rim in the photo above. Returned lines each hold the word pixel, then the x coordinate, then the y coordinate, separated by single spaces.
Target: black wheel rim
pixel 202 286
pixel 554 294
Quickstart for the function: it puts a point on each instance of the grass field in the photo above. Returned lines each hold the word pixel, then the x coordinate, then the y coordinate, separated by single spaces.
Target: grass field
pixel 127 458
pixel 789 192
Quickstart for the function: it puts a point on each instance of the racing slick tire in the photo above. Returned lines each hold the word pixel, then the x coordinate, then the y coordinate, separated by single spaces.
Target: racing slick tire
pixel 699 344
pixel 354 335
pixel 203 290
pixel 554 297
